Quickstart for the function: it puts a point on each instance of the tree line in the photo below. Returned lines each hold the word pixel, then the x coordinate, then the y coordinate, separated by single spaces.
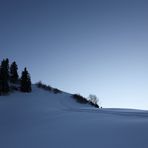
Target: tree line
pixel 9 77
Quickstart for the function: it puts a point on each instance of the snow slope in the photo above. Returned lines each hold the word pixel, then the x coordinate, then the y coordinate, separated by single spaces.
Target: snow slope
pixel 46 120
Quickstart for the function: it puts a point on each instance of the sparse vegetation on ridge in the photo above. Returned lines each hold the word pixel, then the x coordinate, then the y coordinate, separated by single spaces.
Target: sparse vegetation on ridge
pixel 48 88
pixel 83 100
pixel 80 99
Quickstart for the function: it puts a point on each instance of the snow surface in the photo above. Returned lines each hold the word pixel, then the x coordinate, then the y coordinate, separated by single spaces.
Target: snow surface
pixel 45 120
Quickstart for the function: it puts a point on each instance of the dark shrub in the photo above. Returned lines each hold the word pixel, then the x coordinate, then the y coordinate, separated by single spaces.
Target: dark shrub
pixel 56 91
pixel 48 88
pixel 93 100
pixel 83 100
pixel 14 88
pixel 45 87
pixel 80 99
pixel 93 104
pixel 39 84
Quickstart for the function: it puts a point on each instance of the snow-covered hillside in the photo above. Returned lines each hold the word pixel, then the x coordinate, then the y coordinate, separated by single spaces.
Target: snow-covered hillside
pixel 46 120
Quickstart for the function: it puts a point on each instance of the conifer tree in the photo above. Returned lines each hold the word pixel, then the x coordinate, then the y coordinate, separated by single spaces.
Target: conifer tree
pixel 1 81
pixel 4 76
pixel 13 73
pixel 5 65
pixel 25 81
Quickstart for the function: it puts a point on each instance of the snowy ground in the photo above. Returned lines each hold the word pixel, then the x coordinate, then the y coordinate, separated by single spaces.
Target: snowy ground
pixel 45 120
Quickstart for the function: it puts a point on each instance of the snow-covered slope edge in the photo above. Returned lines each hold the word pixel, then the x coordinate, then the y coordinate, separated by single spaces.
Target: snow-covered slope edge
pixel 41 120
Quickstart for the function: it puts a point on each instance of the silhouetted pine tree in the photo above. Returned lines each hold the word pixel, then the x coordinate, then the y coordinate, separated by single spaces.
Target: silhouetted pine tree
pixel 25 81
pixel 4 76
pixel 13 73
pixel 1 81
pixel 6 67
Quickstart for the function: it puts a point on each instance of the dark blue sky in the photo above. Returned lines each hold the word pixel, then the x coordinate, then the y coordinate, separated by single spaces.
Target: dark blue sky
pixel 82 46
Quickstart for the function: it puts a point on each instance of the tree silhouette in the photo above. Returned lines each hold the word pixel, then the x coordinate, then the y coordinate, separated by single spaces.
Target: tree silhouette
pixel 4 77
pixel 1 81
pixel 25 81
pixel 13 73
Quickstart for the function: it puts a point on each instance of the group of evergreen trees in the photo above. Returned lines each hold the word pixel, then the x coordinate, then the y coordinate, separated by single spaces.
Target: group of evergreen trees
pixel 9 75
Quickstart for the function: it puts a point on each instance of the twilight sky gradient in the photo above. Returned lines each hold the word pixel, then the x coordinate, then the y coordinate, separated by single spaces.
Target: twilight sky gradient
pixel 81 46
